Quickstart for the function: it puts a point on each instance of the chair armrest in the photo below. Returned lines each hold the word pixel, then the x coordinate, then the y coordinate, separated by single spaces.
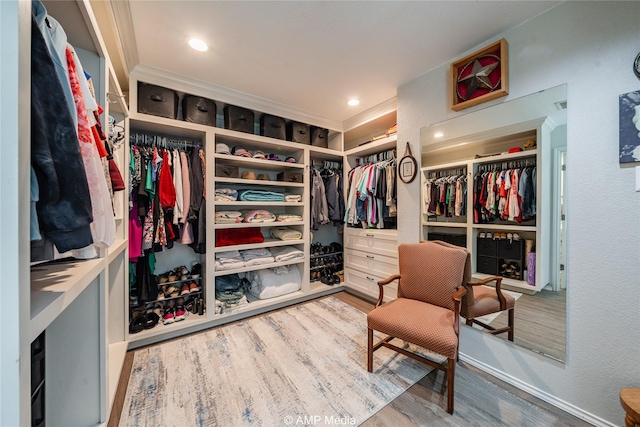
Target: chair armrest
pixel 498 280
pixel 382 283
pixel 457 297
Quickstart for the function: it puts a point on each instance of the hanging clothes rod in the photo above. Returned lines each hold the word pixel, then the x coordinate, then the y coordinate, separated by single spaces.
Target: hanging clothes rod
pixel 375 158
pixel 147 140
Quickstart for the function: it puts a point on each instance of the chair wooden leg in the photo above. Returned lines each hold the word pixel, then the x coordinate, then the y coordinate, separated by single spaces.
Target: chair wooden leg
pixel 469 322
pixel 369 349
pixel 511 325
pixel 451 374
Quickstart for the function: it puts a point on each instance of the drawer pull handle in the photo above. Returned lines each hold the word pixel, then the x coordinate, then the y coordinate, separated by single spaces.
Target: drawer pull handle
pixel 370 278
pixel 370 235
pixel 371 257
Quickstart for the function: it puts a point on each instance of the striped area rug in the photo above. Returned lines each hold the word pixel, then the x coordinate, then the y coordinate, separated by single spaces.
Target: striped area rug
pixel 305 365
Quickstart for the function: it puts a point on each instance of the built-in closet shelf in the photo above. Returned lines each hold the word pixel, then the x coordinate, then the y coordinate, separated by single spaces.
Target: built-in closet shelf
pixel 259 182
pixel 268 243
pixel 258 267
pixel 258 224
pixel 117 248
pixel 161 300
pixel 161 329
pixel 117 354
pixel 54 286
pixel 320 153
pixel 325 255
pixel 232 138
pixel 156 125
pixel 505 157
pixel 445 224
pixel 503 227
pixel 373 147
pixel 256 204
pixel 516 285
pixel 262 164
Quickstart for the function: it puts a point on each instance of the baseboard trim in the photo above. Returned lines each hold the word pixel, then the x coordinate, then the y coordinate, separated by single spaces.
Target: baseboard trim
pixel 536 392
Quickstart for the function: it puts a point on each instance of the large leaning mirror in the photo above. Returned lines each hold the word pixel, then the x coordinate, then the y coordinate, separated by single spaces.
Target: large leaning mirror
pixel 493 182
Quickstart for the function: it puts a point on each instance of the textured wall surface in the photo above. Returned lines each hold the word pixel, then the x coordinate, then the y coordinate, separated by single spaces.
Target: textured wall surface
pixel 590 46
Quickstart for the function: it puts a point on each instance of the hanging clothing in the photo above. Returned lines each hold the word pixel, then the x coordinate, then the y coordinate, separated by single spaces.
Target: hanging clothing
pixel 64 209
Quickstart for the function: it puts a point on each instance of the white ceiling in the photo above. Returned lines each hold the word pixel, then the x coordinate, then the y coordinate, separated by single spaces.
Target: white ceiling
pixel 314 55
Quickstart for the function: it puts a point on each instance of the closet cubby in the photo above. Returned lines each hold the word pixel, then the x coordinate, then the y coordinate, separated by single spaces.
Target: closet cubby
pixel 494 228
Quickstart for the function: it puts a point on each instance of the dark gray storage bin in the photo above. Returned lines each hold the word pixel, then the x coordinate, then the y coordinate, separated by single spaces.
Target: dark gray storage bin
pixel 298 132
pixel 319 137
pixel 273 126
pixel 510 250
pixel 487 247
pixel 238 119
pixel 487 265
pixel 157 101
pixel 196 109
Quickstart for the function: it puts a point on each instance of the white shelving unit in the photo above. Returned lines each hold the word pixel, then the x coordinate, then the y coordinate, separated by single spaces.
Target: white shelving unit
pixel 370 255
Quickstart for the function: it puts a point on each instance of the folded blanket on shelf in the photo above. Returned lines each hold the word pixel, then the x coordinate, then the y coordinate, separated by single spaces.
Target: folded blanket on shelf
pixel 238 236
pixel 283 217
pixel 260 196
pixel 286 253
pixel 258 215
pixel 227 217
pixel 268 283
pixel 292 198
pixel 285 233
pixel 259 256
pixel 229 264
pixel 228 255
pixel 226 194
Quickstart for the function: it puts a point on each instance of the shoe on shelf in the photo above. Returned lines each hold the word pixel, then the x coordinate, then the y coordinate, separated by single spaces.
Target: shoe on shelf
pixel 171 291
pixel 137 324
pixel 183 270
pixel 173 276
pixel 168 316
pixel 196 270
pixel 185 289
pixel 180 313
pixel 151 320
pixel 194 287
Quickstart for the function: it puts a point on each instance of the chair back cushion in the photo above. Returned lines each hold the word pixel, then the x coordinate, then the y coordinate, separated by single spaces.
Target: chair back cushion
pixel 430 272
pixel 468 300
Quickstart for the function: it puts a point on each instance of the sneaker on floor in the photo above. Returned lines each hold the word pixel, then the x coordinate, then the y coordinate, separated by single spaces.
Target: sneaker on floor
pixel 180 313
pixel 168 316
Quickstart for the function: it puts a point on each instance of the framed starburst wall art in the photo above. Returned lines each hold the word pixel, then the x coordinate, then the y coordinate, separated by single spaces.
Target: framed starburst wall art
pixel 480 77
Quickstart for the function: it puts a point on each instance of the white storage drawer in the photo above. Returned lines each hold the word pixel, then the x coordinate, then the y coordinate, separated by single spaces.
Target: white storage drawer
pixel 378 242
pixel 379 265
pixel 368 283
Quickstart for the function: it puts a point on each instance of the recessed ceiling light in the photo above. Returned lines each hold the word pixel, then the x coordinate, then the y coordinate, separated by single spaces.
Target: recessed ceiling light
pixel 353 102
pixel 198 45
pixel 438 135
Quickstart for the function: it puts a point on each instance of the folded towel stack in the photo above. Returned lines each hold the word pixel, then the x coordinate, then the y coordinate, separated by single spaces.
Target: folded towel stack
pixel 257 256
pixel 285 233
pixel 229 260
pixel 286 253
pixel 225 195
pixel 260 196
pixel 283 217
pixel 258 215
pixel 228 217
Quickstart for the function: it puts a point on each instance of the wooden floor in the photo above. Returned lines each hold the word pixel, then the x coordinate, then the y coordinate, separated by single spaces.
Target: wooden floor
pixel 480 399
pixel 540 323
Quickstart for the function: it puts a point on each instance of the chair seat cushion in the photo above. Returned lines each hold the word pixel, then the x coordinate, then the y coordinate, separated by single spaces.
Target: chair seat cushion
pixel 417 322
pixel 486 302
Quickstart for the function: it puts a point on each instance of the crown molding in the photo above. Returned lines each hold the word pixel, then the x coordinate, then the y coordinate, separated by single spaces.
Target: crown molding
pixel 373 113
pixel 184 84
pixel 125 32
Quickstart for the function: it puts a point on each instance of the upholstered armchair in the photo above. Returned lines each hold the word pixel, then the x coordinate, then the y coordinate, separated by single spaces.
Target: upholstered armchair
pixel 427 310
pixel 482 300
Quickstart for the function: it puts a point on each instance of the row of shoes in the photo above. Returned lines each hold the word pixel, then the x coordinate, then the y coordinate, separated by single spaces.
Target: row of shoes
pixel 320 249
pixel 511 270
pixel 180 274
pixel 172 291
pixel 327 276
pixel 329 260
pixel 167 313
pixel 499 236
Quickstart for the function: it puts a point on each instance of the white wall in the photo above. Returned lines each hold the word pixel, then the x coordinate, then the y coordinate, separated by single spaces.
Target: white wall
pixel 591 47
